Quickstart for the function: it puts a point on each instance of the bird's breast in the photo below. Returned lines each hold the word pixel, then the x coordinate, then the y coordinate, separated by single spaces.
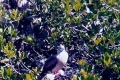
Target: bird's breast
pixel 63 57
pixel 62 60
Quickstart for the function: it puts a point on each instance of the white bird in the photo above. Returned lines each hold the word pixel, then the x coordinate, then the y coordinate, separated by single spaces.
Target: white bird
pixel 51 76
pixel 56 62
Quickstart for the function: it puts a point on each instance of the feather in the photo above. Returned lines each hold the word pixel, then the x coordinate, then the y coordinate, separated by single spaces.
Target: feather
pixel 49 65
pixel 56 62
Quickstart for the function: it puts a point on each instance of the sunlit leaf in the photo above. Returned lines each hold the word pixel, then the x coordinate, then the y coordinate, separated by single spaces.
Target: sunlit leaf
pixel 9 49
pixel 107 59
pixel 97 41
pixel 28 77
pixel 77 6
pixel 111 1
pixel 17 18
pixel 83 73
pixel 32 76
pixel 82 62
pixel 68 20
pixel 35 69
pixel 15 15
pixel 12 16
pixel 74 77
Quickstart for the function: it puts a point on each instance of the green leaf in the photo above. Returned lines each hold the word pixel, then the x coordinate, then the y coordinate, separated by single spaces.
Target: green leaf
pixel 8 71
pixel 90 68
pixel 74 77
pixel 2 41
pixel 54 35
pixel 68 19
pixel 97 41
pixel 90 77
pixel 1 74
pixel 23 76
pixel 107 59
pixel 67 7
pixel 28 77
pixel 32 76
pixel 9 49
pixel 21 55
pixel 14 32
pixel 111 41
pixel 82 62
pixel 35 69
pixel 77 6
pixel 14 15
pixel 83 73
pixel 13 76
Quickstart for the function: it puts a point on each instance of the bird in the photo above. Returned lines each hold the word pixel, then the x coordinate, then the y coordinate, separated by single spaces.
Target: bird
pixel 51 76
pixel 56 62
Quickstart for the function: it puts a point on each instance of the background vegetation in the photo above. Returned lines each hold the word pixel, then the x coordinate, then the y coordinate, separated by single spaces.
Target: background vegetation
pixel 31 30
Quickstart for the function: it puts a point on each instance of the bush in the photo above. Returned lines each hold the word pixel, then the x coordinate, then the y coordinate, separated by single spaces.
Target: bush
pixel 31 30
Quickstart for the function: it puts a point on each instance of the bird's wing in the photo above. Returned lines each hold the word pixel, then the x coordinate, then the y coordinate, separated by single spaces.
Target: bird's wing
pixel 49 64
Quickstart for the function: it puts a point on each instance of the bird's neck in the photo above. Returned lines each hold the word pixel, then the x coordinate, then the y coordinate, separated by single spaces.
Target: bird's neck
pixel 59 51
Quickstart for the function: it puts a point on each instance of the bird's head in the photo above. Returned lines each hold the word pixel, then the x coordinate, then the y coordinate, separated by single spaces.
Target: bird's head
pixel 60 48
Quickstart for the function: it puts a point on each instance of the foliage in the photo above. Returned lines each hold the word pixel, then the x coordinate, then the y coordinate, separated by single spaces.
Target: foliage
pixel 90 29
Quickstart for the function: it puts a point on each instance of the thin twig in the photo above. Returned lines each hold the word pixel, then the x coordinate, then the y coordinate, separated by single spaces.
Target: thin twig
pixel 36 52
pixel 13 67
pixel 114 9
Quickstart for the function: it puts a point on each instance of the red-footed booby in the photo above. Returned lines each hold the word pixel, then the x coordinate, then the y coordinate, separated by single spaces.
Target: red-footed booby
pixel 56 62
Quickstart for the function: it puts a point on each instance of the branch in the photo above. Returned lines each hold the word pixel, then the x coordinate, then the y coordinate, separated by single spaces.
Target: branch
pixel 36 52
pixel 107 6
